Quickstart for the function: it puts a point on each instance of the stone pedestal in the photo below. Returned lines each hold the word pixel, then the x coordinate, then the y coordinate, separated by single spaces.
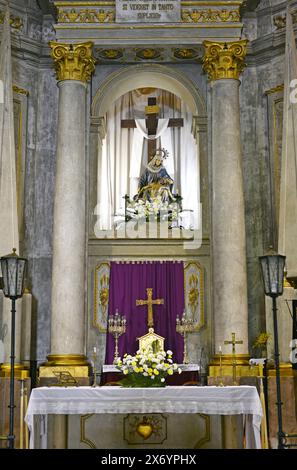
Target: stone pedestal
pixel 289 408
pixel 21 397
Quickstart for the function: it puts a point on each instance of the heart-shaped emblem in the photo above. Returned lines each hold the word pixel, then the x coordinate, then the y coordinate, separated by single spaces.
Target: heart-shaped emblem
pixel 145 430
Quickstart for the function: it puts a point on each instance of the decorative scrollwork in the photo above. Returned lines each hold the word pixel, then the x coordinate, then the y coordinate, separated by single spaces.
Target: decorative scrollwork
pixel 73 61
pixel 85 16
pixel 15 22
pixel 224 60
pixel 210 16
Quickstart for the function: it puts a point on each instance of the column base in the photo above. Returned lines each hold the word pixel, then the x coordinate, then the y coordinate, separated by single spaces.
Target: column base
pixel 243 368
pixel 285 370
pixel 20 370
pixel 65 370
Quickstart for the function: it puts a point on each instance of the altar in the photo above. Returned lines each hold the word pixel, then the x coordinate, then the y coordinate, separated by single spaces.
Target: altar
pixel 243 400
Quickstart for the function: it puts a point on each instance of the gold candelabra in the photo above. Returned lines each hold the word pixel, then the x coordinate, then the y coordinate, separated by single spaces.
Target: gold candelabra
pixel 116 327
pixel 183 327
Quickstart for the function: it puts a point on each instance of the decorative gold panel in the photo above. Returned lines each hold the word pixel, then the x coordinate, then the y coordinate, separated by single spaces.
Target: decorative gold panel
pixel 85 16
pixel 194 294
pixel 210 16
pixel 101 293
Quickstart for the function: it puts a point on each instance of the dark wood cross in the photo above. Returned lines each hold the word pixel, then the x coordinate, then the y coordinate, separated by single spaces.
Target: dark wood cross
pixel 150 302
pixel 152 113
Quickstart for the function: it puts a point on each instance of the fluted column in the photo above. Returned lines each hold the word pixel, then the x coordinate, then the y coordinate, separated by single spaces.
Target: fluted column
pixel 74 65
pixel 224 62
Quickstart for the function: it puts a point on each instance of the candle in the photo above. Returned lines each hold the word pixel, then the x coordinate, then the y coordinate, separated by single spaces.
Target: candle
pixel 220 349
pixel 95 349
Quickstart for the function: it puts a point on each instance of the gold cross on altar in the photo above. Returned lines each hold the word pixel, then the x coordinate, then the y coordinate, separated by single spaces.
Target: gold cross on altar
pixel 150 302
pixel 233 342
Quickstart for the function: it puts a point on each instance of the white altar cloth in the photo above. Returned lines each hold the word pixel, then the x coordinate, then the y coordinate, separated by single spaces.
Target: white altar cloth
pixel 171 399
pixel 183 367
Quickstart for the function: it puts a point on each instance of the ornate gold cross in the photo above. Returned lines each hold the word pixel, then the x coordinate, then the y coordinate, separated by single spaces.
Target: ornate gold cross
pixel 150 302
pixel 233 342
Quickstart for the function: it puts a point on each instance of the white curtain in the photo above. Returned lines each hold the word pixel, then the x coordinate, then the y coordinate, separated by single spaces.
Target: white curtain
pixel 124 152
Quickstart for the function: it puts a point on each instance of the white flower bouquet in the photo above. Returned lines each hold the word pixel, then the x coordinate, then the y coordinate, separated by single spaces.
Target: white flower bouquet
pixel 147 368
pixel 156 208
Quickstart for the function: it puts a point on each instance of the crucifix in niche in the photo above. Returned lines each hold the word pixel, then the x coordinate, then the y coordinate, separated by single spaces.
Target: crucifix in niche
pixel 151 121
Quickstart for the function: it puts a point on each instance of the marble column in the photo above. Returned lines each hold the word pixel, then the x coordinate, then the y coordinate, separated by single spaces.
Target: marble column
pixel 74 65
pixel 224 62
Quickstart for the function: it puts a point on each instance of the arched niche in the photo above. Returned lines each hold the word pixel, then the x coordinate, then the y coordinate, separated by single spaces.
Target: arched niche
pixel 151 76
pixel 144 75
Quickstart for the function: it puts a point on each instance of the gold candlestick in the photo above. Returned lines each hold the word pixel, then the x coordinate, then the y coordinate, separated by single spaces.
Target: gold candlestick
pixel 117 327
pixel 22 414
pixel 183 327
pixel 26 406
pixel 221 384
pixel 94 355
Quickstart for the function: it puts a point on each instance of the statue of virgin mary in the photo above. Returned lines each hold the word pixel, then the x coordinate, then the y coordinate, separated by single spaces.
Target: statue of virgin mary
pixel 155 180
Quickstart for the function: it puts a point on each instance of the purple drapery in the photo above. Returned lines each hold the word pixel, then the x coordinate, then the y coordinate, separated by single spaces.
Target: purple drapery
pixel 128 282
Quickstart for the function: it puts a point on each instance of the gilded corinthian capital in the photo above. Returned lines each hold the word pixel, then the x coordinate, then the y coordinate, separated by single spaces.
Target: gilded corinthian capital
pixel 73 61
pixel 224 59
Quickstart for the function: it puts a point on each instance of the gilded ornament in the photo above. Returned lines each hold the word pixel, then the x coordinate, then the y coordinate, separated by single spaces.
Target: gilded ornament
pixel 62 16
pixel 20 91
pixel 110 54
pixel 104 16
pixel 193 294
pixel 224 59
pixel 260 343
pixel 138 428
pixel 103 295
pixel 280 21
pixel 15 22
pixel 85 16
pixel 144 429
pixel 148 54
pixel 72 15
pixel 73 61
pixel 185 54
pixel 210 16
